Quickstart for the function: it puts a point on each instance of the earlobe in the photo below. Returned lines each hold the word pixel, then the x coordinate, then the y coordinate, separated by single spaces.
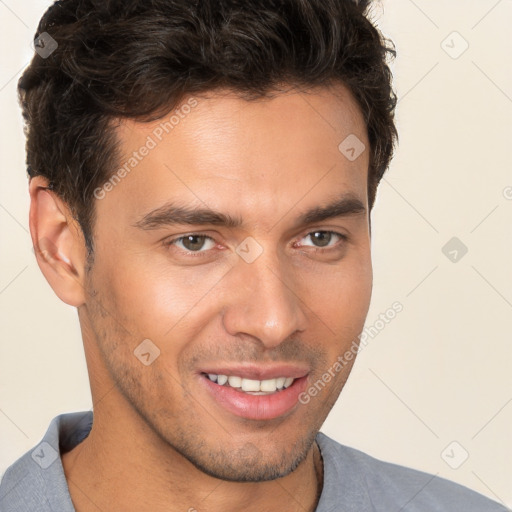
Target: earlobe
pixel 58 243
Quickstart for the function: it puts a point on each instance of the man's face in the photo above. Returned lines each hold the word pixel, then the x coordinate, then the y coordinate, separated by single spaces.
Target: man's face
pixel 275 296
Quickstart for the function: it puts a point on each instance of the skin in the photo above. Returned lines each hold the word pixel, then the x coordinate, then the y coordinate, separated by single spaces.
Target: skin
pixel 159 441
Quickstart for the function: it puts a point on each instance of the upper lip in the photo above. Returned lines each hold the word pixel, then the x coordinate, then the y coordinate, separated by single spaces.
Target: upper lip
pixel 259 372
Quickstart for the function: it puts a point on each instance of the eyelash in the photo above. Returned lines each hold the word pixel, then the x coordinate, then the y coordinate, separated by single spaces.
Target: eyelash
pixel 195 254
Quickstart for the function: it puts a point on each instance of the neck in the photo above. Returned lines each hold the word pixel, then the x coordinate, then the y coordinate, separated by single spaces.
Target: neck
pixel 135 470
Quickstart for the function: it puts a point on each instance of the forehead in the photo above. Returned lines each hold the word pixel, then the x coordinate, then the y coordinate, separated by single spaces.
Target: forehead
pixel 221 150
pixel 222 115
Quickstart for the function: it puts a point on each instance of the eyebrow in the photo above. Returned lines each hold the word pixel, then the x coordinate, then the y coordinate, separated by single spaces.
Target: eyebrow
pixel 171 214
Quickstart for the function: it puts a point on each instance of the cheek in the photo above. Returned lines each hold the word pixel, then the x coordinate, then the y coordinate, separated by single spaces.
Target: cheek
pixel 156 297
pixel 340 295
pixel 169 306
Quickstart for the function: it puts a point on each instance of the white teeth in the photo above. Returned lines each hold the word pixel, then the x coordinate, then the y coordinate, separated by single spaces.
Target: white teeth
pixel 288 382
pixel 252 386
pixel 235 382
pixel 268 385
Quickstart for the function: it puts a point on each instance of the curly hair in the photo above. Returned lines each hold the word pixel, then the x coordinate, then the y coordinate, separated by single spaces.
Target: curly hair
pixel 139 58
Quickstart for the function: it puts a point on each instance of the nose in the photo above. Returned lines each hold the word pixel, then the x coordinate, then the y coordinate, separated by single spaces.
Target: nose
pixel 265 301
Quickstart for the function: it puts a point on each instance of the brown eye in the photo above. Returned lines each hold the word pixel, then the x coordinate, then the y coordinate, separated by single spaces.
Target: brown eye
pixel 323 239
pixel 192 243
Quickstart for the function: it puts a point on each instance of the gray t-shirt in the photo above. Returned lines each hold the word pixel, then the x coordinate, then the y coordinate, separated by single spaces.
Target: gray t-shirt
pixel 353 481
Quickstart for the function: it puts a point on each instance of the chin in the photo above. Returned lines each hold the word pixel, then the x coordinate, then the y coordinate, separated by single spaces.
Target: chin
pixel 246 463
pixel 254 470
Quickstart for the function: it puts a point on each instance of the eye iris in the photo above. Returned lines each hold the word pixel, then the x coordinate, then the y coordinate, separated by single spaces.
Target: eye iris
pixel 193 246
pixel 324 237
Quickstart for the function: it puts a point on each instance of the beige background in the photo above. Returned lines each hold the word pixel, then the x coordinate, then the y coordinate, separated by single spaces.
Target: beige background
pixel 440 371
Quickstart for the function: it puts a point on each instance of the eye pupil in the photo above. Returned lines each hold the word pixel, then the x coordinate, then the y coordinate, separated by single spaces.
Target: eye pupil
pixel 194 246
pixel 324 237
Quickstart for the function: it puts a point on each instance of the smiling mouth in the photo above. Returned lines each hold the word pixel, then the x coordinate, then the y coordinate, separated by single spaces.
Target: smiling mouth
pixel 251 386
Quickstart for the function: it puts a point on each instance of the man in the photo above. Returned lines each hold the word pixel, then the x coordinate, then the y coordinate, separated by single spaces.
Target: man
pixel 201 179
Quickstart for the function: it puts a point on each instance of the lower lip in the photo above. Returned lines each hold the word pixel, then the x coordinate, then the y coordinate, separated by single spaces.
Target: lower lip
pixel 256 407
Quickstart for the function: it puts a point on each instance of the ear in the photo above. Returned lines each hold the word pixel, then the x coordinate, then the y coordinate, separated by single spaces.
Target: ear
pixel 58 242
